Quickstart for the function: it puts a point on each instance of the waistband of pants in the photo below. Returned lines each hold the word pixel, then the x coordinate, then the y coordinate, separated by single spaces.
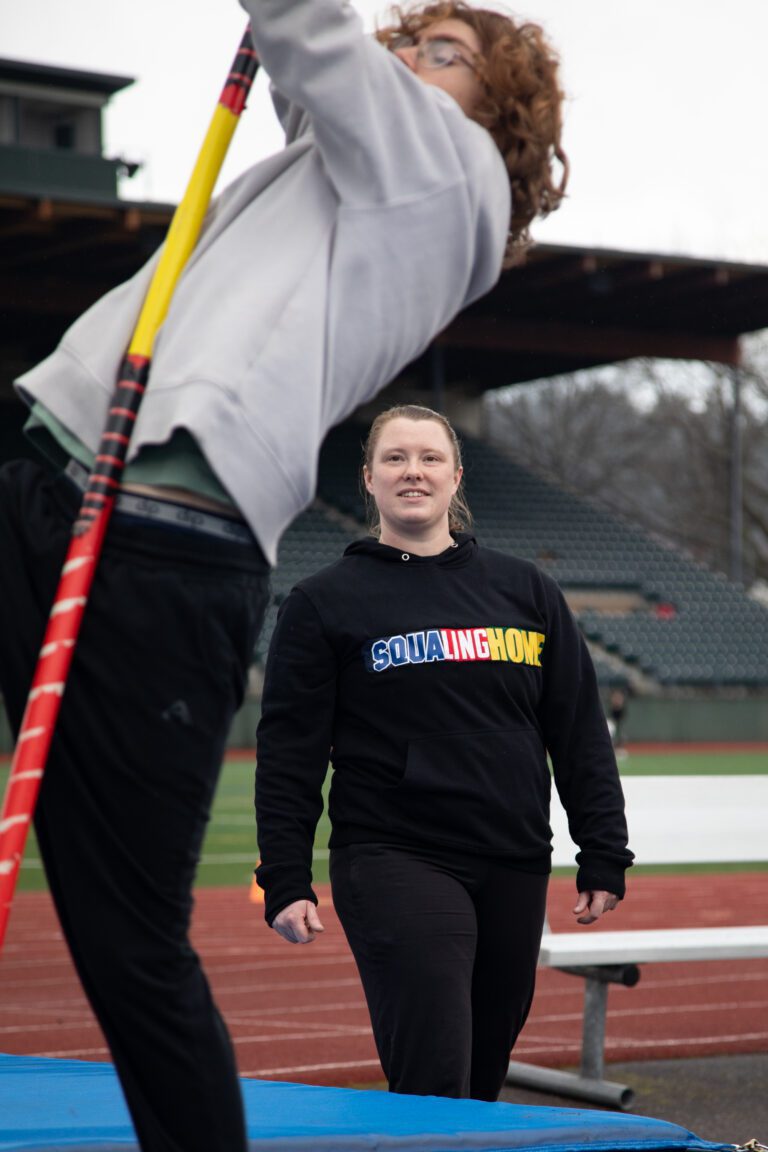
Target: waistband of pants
pixel 170 513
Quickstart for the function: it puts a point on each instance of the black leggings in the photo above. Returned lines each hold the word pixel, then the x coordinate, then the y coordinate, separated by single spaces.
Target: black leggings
pixel 159 669
pixel 447 948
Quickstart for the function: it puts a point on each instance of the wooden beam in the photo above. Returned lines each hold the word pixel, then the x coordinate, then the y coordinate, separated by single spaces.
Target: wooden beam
pixel 553 273
pixel 488 333
pixel 44 220
pixel 676 285
pixel 78 243
pixel 52 295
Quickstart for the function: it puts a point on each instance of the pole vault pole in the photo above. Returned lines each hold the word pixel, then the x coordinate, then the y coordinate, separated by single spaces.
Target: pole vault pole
pixel 77 573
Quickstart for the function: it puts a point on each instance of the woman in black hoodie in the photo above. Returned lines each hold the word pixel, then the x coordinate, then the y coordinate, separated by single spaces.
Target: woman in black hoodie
pixel 436 675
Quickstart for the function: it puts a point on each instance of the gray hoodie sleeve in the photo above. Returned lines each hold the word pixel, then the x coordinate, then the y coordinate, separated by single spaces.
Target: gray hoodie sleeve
pixel 294 120
pixel 384 135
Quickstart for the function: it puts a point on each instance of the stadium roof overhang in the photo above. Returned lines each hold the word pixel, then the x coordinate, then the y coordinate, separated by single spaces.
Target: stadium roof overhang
pixel 566 308
pixel 569 308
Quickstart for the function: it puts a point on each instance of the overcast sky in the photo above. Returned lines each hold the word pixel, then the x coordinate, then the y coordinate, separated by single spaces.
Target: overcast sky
pixel 665 121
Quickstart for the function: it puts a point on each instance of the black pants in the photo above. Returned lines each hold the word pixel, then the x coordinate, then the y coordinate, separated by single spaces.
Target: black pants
pixel 446 948
pixel 159 669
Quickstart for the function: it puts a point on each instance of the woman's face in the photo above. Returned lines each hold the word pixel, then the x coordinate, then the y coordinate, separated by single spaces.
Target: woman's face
pixel 412 478
pixel 459 78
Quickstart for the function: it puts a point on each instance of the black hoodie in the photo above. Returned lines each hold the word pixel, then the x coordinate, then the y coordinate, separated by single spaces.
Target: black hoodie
pixel 436 685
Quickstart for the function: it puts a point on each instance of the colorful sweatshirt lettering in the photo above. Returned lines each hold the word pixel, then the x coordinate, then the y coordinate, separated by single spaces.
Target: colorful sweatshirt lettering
pixel 515 645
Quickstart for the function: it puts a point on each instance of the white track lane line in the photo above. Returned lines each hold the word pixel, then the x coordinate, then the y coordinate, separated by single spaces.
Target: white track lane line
pixel 630 1044
pixel 667 1010
pixel 242 1041
pixel 294 1068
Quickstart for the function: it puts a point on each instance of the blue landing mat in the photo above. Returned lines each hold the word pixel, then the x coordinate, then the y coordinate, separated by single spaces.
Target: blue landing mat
pixel 48 1105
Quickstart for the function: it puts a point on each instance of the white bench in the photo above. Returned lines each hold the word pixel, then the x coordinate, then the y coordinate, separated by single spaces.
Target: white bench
pixel 604 958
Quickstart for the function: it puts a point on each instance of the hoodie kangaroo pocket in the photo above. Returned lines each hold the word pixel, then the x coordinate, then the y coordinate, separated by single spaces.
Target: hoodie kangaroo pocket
pixel 489 788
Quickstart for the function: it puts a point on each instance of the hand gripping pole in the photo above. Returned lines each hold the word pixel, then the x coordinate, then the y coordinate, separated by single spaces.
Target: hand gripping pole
pixel 77 574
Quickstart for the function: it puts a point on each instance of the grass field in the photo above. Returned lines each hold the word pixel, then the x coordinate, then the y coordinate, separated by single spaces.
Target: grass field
pixel 733 762
pixel 229 852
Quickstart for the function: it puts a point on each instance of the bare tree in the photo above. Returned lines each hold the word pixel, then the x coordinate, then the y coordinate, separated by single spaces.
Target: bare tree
pixel 653 441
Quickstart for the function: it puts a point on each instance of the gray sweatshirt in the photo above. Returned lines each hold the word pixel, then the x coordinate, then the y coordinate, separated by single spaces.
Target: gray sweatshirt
pixel 320 272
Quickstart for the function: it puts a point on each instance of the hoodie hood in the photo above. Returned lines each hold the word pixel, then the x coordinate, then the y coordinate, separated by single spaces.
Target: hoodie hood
pixel 461 552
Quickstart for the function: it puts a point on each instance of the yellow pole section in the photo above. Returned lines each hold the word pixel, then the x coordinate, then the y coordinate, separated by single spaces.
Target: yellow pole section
pixel 184 230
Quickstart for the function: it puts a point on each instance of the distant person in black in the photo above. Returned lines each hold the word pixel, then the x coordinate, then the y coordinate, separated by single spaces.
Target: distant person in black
pixel 617 705
pixel 436 675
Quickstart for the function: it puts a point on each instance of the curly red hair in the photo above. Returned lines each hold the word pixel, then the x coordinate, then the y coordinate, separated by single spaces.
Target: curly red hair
pixel 521 105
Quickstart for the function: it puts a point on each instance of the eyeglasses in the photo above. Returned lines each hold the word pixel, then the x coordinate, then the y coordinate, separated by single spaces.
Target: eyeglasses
pixel 439 52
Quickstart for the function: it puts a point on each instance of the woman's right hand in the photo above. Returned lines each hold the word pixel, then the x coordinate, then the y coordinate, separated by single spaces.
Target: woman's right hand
pixel 298 923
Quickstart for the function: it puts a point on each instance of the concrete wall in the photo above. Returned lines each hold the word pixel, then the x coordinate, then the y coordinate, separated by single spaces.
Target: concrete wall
pixel 681 720
pixel 648 719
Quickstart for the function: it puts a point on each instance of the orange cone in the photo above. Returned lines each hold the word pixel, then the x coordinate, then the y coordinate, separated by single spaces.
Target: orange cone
pixel 256 895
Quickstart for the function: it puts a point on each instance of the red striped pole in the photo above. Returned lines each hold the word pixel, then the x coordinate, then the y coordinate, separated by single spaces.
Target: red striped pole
pixel 54 660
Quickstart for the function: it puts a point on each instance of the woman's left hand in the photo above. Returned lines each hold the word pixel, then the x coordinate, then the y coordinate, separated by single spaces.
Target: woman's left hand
pixel 591 905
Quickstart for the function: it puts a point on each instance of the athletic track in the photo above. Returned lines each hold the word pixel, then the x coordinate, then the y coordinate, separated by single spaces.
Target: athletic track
pixel 297 1013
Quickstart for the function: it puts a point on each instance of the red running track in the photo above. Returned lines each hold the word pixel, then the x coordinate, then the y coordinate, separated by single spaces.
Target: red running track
pixel 297 1013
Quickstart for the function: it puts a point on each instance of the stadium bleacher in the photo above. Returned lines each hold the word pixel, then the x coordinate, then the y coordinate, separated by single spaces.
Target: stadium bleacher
pixel 677 624
pixel 311 542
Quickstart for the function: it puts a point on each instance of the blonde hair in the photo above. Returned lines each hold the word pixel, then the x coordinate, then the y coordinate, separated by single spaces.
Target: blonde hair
pixel 459 515
pixel 521 104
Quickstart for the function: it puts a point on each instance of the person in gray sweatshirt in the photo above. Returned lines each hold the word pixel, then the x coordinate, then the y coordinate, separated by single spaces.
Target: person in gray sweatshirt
pixel 415 160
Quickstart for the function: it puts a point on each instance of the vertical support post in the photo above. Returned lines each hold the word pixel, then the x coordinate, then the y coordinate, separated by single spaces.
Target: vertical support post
pixel 593 1035
pixel 736 482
